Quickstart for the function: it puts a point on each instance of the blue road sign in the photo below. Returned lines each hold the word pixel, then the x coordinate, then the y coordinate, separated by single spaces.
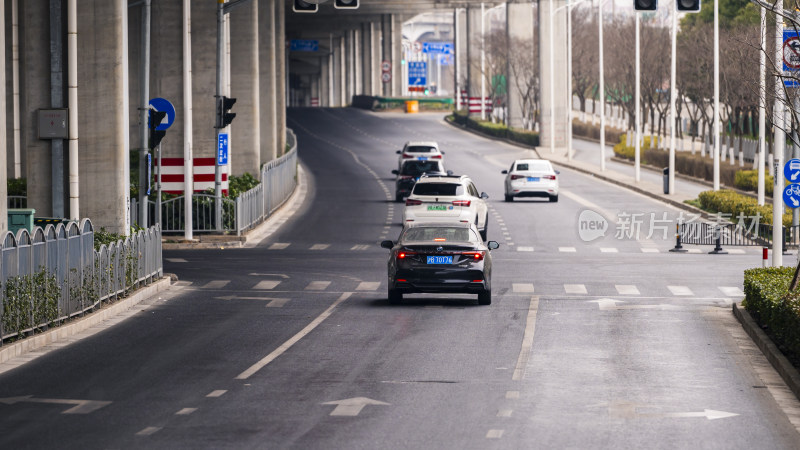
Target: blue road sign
pixel 444 48
pixel 791 195
pixel 161 104
pixel 791 171
pixel 791 58
pixel 304 45
pixel 222 149
pixel 445 60
pixel 149 171
pixel 417 73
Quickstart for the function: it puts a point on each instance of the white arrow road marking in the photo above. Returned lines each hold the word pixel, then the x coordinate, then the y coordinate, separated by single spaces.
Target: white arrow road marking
pixel 709 414
pixel 352 406
pixel 267 284
pixel 80 406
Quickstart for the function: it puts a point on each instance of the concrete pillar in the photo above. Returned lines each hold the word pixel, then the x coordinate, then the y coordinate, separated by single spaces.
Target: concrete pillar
pixel 397 55
pixel 323 81
pixel 358 79
pixel 342 71
pixel 366 59
pixel 331 77
pixel 349 73
pixel 460 42
pixel 559 78
pixel 387 50
pixel 267 80
pixel 204 72
pixel 375 59
pixel 245 88
pixel 519 24
pixel 102 114
pixel 282 71
pixel 8 89
pixel 473 65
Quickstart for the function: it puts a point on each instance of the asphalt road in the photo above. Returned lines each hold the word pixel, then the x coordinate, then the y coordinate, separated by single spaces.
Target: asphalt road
pixel 608 343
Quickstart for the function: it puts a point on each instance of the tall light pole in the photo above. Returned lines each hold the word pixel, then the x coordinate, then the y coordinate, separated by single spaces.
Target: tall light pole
pixel 762 99
pixel 672 95
pixel 638 108
pixel 552 85
pixel 716 95
pixel 569 81
pixel 483 67
pixel 602 89
pixel 779 143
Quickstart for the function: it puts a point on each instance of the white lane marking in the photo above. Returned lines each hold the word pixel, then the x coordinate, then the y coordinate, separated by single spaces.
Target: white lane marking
pixel 567 249
pixel 609 216
pixel 524 249
pixel 505 412
pixel 695 250
pixel 217 393
pixel 359 247
pixel 176 260
pixel 527 340
pixel 319 246
pixel 148 431
pixel 609 250
pixel 650 250
pixel 512 395
pixel 368 286
pixel 267 284
pixel 627 289
pixel 216 284
pixel 293 340
pixel 731 291
pixel 575 289
pixel 522 287
pixel 494 434
pixel 318 285
pixel 680 290
pixel 276 302
pixel 736 251
pixel 278 246
pixel 185 411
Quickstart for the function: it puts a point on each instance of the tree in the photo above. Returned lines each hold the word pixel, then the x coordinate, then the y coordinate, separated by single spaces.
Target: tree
pixel 584 54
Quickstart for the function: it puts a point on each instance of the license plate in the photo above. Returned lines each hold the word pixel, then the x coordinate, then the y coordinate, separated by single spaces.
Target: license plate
pixel 437 207
pixel 533 178
pixel 422 158
pixel 440 260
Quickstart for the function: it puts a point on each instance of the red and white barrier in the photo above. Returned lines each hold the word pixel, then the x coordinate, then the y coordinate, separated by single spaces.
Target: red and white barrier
pixel 314 101
pixel 203 175
pixel 475 105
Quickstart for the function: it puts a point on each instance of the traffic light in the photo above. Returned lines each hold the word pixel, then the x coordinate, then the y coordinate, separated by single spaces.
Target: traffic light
pixel 692 6
pixel 648 5
pixel 224 114
pixel 154 121
pixel 300 6
pixel 345 4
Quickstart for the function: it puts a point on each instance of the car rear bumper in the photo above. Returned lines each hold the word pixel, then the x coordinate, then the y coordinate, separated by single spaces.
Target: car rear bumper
pixel 465 281
pixel 533 191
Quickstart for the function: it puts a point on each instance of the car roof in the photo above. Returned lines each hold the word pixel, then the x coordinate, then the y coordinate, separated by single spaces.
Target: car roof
pixel 440 225
pixel 421 143
pixel 530 160
pixel 436 178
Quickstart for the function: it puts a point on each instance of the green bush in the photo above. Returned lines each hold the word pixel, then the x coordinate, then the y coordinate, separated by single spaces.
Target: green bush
pixel 774 308
pixel 238 185
pixel 731 202
pixel 587 130
pixel 18 186
pixel 747 180
pixel 30 300
pixel 495 129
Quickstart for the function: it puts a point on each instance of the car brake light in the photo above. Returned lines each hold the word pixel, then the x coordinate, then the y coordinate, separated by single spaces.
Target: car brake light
pixel 461 202
pixel 475 256
pixel 516 177
pixel 549 177
pixel 406 177
pixel 402 280
pixel 413 202
pixel 439 239
pixel 436 157
pixel 406 155
pixel 477 281
pixel 404 255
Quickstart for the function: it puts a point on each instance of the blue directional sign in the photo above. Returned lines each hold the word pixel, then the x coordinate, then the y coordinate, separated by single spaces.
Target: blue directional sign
pixel 222 149
pixel 444 48
pixel 149 171
pixel 161 104
pixel 304 45
pixel 417 73
pixel 791 195
pixel 791 171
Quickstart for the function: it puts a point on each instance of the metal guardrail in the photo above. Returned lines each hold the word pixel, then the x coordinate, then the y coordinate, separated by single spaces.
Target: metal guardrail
pixel 734 235
pixel 60 262
pixel 17 201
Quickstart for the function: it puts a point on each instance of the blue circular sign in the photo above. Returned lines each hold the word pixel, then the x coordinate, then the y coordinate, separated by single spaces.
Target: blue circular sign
pixel 791 196
pixel 162 104
pixel 792 170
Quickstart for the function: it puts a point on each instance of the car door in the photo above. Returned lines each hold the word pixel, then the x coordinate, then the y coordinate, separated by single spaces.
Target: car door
pixel 480 205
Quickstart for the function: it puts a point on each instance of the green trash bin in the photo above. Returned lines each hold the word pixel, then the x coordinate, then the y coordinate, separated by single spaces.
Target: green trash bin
pixel 20 218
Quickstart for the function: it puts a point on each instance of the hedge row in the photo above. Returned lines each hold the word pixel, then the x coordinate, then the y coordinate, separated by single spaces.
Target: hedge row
pixel 731 202
pixel 774 308
pixel 496 129
pixel 747 180
pixel 589 131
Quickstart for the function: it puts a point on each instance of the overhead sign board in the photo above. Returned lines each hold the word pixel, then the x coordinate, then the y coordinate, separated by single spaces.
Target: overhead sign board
pixel 304 45
pixel 163 105
pixel 444 48
pixel 417 73
pixel 791 58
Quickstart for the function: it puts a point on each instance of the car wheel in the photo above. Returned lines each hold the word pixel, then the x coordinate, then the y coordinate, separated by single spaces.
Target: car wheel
pixel 553 198
pixel 485 298
pixel 485 231
pixel 398 198
pixel 509 198
pixel 395 297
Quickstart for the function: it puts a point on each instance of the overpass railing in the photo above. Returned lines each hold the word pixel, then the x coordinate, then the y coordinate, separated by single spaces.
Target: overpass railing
pixel 55 273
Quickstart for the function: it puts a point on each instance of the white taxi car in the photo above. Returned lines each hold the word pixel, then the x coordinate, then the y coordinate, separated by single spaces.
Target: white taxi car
pixel 531 178
pixel 435 198
pixel 419 150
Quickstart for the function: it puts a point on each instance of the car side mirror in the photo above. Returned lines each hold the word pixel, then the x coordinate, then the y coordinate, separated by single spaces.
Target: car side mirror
pixel 398 152
pixel 449 172
pixel 395 172
pixel 492 245
pixel 484 195
pixel 442 152
pixel 387 244
pixel 558 172
pixel 505 172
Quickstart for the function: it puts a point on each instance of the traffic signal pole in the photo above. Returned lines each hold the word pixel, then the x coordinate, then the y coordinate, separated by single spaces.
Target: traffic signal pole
pixel 144 109
pixel 779 145
pixel 217 168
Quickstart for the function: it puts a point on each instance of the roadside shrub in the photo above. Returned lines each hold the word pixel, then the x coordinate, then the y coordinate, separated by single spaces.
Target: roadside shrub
pixel 238 185
pixel 498 130
pixel 730 202
pixel 774 308
pixel 747 180
pixel 18 186
pixel 587 130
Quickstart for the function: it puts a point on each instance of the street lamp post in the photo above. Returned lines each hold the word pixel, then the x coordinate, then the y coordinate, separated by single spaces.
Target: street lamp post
pixel 637 99
pixel 483 67
pixel 672 95
pixel 762 99
pixel 602 89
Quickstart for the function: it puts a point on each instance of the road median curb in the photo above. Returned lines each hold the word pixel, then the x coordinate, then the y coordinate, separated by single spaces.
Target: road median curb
pixel 785 369
pixel 76 326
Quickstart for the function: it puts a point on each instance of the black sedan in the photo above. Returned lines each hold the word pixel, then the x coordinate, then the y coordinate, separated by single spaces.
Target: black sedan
pixel 410 172
pixel 440 257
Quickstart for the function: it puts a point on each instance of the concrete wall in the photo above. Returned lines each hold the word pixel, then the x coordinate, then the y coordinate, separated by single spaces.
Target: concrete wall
pixel 245 88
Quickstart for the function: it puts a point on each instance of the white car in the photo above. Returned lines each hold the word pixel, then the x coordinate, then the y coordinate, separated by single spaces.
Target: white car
pixel 531 178
pixel 435 198
pixel 419 150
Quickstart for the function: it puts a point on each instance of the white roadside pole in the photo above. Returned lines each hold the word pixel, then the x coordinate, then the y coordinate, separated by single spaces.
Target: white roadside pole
pixel 638 116
pixel 602 90
pixel 672 95
pixel 569 80
pixel 779 144
pixel 762 99
pixel 552 84
pixel 716 95
pixel 483 67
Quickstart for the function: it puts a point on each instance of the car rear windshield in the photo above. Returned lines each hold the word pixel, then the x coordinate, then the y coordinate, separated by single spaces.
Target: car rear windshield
pixel 417 168
pixel 449 234
pixel 539 166
pixel 438 189
pixel 419 149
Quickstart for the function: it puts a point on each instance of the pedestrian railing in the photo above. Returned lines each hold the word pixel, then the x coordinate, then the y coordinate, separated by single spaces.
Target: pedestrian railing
pixel 17 201
pixel 55 273
pixel 735 235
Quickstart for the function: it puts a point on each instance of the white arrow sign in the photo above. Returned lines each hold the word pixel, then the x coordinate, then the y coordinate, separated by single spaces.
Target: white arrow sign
pixel 352 406
pixel 709 414
pixel 80 406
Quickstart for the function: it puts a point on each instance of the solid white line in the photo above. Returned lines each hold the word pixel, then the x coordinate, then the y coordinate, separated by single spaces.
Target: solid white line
pixel 267 284
pixel 527 340
pixel 216 284
pixel 680 290
pixel 293 340
pixel 627 289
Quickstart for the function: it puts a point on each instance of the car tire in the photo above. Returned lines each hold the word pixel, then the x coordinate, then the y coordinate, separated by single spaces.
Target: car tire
pixel 485 298
pixel 553 198
pixel 395 296
pixel 398 198
pixel 509 198
pixel 485 231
